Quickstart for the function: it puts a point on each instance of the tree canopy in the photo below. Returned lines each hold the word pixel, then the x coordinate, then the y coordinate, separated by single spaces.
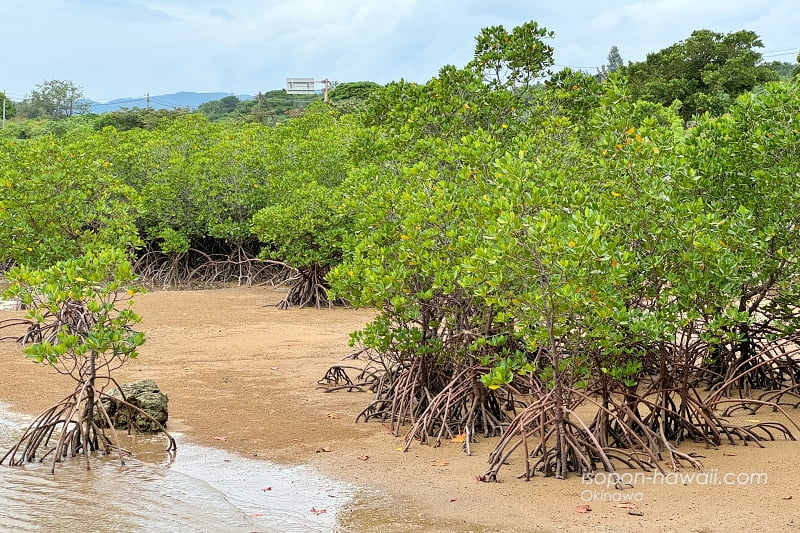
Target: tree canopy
pixel 56 99
pixel 614 59
pixel 706 72
pixel 353 90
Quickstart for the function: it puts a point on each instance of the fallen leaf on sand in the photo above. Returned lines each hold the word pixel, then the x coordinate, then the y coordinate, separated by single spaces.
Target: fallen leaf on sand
pixel 221 438
pixel 729 454
pixel 266 489
pixel 325 449
pixel 626 505
pixel 461 437
pixel 787 498
pixel 635 512
pixel 441 463
pixel 333 415
pixel 363 457
pixel 753 420
pixel 318 511
pixel 274 367
pixel 583 509
pixel 453 500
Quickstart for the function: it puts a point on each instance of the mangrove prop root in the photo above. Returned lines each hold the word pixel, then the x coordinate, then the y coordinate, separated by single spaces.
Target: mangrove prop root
pixel 337 378
pixel 239 266
pixel 307 288
pixel 463 404
pixel 197 267
pixel 637 427
pixel 69 428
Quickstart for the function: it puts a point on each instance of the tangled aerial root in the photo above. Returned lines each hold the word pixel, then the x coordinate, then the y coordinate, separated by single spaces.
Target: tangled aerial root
pixel 71 427
pixel 157 269
pixel 366 378
pixel 307 288
pixel 239 266
pixel 77 424
pixel 198 268
pixel 555 441
pixel 633 427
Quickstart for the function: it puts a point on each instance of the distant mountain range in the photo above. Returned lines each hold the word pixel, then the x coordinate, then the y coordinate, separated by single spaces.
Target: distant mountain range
pixel 162 101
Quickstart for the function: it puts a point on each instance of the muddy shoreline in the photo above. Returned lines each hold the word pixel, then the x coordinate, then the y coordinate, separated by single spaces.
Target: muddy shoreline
pixel 242 376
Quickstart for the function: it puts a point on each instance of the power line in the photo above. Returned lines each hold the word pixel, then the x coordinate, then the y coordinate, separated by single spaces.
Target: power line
pixel 167 104
pixel 118 102
pixel 780 54
pixel 784 49
pixel 576 68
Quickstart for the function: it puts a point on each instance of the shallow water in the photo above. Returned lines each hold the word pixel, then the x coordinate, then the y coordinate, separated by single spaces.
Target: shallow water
pixel 199 489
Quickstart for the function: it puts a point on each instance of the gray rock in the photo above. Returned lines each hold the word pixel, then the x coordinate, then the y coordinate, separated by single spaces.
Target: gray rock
pixel 143 394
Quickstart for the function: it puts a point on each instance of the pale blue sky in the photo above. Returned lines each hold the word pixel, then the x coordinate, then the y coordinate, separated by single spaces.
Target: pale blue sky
pixel 128 48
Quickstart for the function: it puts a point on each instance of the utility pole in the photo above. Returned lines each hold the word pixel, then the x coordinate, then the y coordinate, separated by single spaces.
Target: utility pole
pixel 327 82
pixel 259 113
pixel 148 100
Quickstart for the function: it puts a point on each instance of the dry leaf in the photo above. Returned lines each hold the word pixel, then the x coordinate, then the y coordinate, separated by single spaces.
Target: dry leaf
pixel 333 415
pixel 729 454
pixel 399 449
pixel 221 438
pixel 318 511
pixel 753 420
pixel 481 478
pixel 275 367
pixel 635 512
pixel 583 509
pixel 325 449
pixel 266 489
pixel 626 505
pixel 787 498
pixel 363 457
pixel 461 437
pixel 441 463
pixel 453 499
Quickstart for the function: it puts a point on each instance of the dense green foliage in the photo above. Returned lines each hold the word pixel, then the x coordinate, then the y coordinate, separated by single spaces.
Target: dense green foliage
pixel 266 108
pixel 8 107
pixel 95 291
pixel 705 72
pixel 353 90
pixel 59 200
